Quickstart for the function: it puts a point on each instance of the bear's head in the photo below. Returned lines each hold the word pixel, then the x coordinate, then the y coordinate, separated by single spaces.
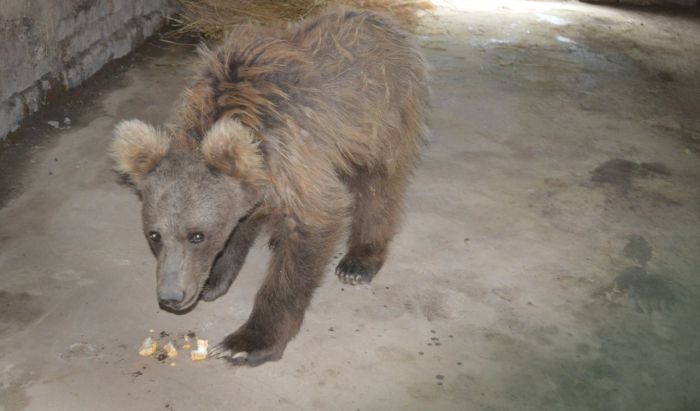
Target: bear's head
pixel 193 196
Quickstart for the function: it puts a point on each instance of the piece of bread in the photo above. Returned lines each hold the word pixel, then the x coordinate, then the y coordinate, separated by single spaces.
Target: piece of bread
pixel 200 353
pixel 170 349
pixel 148 347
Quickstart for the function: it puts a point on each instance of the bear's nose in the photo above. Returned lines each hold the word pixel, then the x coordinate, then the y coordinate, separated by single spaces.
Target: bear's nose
pixel 170 298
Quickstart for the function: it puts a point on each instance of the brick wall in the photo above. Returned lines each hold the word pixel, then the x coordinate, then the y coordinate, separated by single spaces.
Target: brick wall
pixel 49 46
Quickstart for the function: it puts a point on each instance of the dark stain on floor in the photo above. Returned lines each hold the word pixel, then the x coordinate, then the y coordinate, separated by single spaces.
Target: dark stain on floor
pixel 18 310
pixel 621 173
pixel 638 249
pixel 649 292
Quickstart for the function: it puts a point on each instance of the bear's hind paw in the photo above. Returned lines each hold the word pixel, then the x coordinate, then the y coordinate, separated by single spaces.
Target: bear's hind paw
pixel 355 271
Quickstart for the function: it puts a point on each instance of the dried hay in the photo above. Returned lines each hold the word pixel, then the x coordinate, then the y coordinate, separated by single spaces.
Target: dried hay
pixel 211 18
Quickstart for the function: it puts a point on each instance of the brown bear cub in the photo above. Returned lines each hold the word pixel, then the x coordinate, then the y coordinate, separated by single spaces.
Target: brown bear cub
pixel 294 130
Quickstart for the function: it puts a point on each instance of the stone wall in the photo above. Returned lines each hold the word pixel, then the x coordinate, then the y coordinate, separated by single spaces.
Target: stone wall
pixel 49 46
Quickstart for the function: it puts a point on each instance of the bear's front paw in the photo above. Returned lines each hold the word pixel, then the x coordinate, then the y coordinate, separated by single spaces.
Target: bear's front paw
pixel 357 270
pixel 215 287
pixel 245 348
pixel 212 292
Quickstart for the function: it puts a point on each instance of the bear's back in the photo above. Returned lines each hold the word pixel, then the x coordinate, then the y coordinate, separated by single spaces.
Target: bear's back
pixel 351 83
pixel 374 78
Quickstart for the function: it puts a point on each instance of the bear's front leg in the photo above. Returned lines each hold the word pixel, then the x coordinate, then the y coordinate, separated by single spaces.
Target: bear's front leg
pixel 299 260
pixel 229 263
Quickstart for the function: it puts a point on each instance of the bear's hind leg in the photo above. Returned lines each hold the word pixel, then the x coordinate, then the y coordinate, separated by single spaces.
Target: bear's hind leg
pixel 375 221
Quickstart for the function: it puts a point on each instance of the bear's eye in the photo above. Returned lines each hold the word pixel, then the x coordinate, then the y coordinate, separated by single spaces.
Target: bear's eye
pixel 154 236
pixel 195 238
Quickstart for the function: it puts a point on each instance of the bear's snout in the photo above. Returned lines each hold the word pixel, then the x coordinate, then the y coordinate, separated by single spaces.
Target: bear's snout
pixel 170 298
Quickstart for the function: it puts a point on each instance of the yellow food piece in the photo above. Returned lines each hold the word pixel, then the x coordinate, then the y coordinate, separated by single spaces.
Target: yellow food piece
pixel 170 349
pixel 201 352
pixel 187 346
pixel 148 347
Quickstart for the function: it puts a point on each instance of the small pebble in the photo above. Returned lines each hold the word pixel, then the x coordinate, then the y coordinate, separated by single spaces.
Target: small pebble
pixel 432 331
pixel 420 352
pixel 331 329
pixel 439 383
pixel 459 363
pixel 440 377
pixel 434 339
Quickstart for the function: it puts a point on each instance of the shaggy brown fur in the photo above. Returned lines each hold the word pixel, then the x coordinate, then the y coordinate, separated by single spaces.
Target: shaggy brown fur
pixel 308 125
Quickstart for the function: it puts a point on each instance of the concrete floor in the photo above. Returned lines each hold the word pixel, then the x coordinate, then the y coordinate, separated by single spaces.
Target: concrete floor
pixel 549 260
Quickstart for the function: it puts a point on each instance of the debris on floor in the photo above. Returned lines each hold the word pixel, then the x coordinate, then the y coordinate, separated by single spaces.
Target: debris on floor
pixel 165 345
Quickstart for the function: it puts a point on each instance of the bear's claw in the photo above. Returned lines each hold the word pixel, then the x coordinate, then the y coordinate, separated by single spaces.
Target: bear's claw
pixel 354 271
pixel 230 350
pixel 217 350
pixel 242 355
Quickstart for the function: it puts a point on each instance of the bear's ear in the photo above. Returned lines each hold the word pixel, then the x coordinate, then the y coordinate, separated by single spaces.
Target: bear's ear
pixel 137 148
pixel 230 148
